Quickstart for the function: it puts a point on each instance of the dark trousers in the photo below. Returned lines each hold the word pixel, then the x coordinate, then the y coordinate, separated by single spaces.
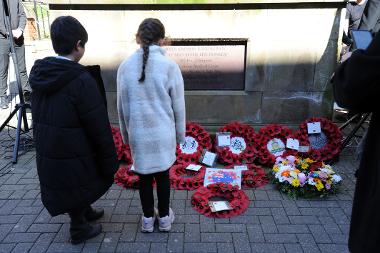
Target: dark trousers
pixel 5 50
pixel 77 215
pixel 163 193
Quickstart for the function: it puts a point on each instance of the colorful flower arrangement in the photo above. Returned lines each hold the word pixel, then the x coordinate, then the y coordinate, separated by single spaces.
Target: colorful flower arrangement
pixel 183 179
pixel 304 177
pixel 238 200
pixel 271 142
pixel 197 139
pixel 245 138
pixel 126 178
pixel 331 139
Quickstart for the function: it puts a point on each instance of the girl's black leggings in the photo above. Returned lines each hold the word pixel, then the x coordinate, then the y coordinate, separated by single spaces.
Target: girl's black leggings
pixel 163 193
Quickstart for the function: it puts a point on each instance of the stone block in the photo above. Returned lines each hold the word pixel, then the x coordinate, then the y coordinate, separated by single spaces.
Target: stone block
pixel 210 107
pixel 255 233
pixel 133 247
pixel 200 247
pixel 232 228
pixel 175 242
pixel 21 237
pixel 292 107
pixel 22 247
pixel 192 233
pixel 216 237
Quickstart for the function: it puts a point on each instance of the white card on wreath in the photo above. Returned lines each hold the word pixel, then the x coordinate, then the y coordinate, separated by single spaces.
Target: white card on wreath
pixel 240 167
pixel 208 158
pixel 303 149
pixel 194 167
pixel 223 139
pixel 292 143
pixel 314 128
pixel 217 206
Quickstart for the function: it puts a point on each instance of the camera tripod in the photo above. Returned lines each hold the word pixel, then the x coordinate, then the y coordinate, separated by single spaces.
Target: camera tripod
pixel 362 118
pixel 20 108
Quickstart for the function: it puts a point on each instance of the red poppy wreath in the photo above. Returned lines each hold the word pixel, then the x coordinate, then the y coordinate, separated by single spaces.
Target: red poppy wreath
pixel 254 177
pixel 243 144
pixel 271 141
pixel 238 200
pixel 323 146
pixel 184 179
pixel 197 139
pixel 118 140
pixel 123 151
pixel 126 178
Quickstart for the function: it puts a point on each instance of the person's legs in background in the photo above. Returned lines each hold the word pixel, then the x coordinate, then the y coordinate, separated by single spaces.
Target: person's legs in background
pixel 20 52
pixel 4 63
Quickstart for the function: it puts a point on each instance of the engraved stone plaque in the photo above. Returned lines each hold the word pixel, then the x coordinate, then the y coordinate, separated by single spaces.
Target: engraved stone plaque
pixel 210 67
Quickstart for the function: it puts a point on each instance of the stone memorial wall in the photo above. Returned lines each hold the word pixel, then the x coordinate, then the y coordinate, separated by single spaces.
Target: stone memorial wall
pixel 274 65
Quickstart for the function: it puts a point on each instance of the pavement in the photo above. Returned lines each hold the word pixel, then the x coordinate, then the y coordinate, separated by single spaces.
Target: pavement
pixel 273 222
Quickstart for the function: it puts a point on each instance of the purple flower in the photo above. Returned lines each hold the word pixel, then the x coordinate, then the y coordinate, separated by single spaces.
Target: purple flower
pixel 302 178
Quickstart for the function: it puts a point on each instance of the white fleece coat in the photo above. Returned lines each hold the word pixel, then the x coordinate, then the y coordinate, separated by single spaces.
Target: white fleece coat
pixel 152 113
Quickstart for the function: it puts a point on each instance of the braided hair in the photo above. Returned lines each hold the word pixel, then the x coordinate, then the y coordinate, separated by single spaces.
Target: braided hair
pixel 150 31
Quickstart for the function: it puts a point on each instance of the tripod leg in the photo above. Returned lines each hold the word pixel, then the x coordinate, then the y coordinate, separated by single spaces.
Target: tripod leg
pixel 18 131
pixel 25 120
pixel 353 132
pixel 8 119
pixel 349 121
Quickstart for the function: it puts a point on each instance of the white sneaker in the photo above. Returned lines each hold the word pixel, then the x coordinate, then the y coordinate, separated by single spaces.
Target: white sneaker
pixel 147 224
pixel 165 223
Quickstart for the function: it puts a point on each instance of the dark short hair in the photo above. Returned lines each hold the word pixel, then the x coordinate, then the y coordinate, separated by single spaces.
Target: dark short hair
pixel 65 32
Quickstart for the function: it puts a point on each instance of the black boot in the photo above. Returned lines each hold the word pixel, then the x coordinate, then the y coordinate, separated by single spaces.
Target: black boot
pixel 92 214
pixel 27 96
pixel 80 229
pixel 81 233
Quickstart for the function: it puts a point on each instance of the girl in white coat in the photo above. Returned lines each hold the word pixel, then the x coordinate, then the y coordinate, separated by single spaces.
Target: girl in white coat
pixel 151 108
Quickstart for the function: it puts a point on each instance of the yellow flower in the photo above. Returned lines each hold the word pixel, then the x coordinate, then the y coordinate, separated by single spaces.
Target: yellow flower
pixel 296 182
pixel 304 166
pixel 285 162
pixel 308 160
pixel 319 186
pixel 275 169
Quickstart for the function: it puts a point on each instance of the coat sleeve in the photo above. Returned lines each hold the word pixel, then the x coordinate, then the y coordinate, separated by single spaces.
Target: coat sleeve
pixel 22 16
pixel 357 81
pixel 370 15
pixel 177 94
pixel 94 120
pixel 122 111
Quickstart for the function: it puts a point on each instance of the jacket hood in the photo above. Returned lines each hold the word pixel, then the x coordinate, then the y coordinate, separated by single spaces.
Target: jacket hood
pixel 51 74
